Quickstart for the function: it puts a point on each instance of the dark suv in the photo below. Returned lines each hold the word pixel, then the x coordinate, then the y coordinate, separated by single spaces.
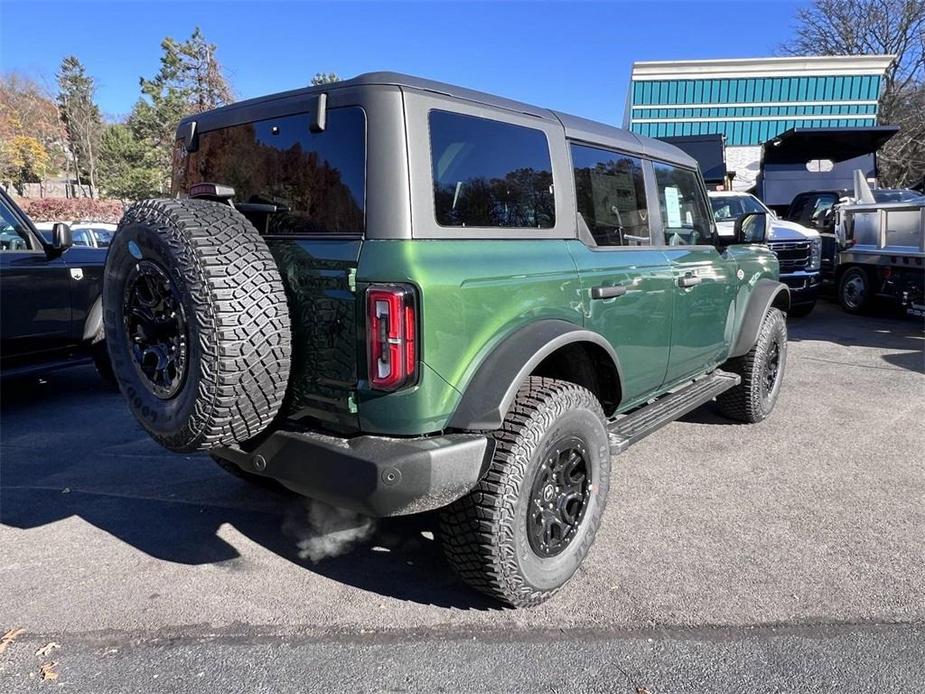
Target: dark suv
pixel 397 296
pixel 50 304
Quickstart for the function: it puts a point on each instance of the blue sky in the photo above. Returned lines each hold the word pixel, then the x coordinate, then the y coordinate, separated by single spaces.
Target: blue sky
pixel 572 56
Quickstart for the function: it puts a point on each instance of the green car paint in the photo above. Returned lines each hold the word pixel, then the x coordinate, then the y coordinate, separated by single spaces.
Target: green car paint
pixel 638 323
pixel 475 293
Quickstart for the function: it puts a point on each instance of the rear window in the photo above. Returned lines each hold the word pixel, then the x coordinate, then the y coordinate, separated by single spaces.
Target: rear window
pixel 490 174
pixel 317 181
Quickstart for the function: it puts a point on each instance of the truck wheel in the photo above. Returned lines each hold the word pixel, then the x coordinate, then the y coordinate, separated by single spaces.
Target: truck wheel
pixel 854 290
pixel 522 532
pixel 761 369
pixel 196 323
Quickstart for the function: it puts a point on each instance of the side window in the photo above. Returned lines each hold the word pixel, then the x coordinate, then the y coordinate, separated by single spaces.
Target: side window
pixel 821 208
pixel 488 173
pixel 685 215
pixel 810 209
pixel 12 235
pixel 611 194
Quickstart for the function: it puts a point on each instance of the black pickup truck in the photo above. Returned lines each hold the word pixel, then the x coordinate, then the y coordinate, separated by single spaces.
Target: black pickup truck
pixel 50 308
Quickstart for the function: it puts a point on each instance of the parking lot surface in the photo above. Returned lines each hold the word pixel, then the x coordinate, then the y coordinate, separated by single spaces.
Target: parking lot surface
pixel 788 555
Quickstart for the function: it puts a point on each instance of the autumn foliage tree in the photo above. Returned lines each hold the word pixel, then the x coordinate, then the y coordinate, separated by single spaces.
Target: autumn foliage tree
pixel 32 139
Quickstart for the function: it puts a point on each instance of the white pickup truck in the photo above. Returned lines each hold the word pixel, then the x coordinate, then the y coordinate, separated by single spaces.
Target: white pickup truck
pixel 798 248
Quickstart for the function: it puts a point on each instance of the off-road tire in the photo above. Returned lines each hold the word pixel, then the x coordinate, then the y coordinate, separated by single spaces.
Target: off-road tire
pixel 249 477
pixel 236 318
pixel 850 302
pixel 484 534
pixel 801 310
pixel 749 401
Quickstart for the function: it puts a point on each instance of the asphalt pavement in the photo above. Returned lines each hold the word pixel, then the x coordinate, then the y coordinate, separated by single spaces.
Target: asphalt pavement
pixel 784 556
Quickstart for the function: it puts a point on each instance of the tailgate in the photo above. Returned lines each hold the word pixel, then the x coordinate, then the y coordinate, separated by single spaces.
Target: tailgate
pixel 318 277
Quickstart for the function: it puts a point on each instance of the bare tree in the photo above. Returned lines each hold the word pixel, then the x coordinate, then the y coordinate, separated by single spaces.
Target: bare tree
pixel 881 27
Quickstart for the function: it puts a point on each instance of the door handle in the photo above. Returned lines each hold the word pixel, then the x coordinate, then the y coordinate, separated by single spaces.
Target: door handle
pixel 605 292
pixel 689 280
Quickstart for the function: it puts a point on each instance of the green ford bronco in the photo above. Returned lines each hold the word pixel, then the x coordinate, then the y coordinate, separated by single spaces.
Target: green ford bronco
pixel 396 296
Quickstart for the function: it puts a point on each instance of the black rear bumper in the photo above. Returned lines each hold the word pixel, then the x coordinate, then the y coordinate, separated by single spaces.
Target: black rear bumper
pixel 374 475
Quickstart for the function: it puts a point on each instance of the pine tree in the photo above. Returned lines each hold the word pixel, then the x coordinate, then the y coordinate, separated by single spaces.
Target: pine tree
pixel 81 117
pixel 190 81
pixel 324 78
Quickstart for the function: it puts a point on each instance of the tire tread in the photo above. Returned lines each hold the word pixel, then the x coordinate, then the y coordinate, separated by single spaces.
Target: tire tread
pixel 241 318
pixel 477 531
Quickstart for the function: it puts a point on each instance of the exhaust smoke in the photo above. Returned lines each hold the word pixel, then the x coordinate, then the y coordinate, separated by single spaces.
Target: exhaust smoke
pixel 324 531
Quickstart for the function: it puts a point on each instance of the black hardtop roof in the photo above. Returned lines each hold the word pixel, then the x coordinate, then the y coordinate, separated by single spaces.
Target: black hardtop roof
pixel 575 127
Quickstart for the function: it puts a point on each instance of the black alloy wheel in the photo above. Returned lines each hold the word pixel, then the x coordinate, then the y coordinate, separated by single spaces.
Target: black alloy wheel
pixel 523 531
pixel 771 369
pixel 155 327
pixel 761 370
pixel 559 498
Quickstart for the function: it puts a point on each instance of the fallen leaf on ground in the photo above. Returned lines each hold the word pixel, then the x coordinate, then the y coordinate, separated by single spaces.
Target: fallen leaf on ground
pixel 48 671
pixel 642 690
pixel 47 649
pixel 7 639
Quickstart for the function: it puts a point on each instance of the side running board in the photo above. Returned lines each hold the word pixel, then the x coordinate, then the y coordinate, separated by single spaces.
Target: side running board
pixel 628 429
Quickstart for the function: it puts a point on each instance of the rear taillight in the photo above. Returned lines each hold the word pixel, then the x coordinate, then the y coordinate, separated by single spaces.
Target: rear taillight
pixel 391 336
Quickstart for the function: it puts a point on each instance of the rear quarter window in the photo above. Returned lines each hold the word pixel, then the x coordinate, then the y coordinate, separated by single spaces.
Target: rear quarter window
pixel 488 173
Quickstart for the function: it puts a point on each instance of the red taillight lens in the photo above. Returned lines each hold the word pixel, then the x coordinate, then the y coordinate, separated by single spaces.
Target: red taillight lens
pixel 391 332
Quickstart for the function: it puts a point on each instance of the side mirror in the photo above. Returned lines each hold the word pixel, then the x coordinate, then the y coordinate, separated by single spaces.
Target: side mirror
pixel 60 238
pixel 751 228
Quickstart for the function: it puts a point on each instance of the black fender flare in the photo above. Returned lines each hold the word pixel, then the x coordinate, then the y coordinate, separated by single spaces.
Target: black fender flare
pixel 494 386
pixel 766 293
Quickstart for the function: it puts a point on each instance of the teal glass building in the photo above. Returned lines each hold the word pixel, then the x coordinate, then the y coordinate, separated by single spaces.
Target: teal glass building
pixel 751 101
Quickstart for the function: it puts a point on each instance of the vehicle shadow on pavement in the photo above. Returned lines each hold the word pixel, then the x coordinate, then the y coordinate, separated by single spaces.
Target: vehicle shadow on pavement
pixel 71 448
pixel 886 329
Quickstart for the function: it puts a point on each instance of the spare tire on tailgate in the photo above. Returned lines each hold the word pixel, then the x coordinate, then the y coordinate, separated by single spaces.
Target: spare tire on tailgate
pixel 196 323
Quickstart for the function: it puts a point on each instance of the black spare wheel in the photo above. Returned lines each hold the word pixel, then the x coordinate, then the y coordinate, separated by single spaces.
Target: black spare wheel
pixel 196 323
pixel 523 531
